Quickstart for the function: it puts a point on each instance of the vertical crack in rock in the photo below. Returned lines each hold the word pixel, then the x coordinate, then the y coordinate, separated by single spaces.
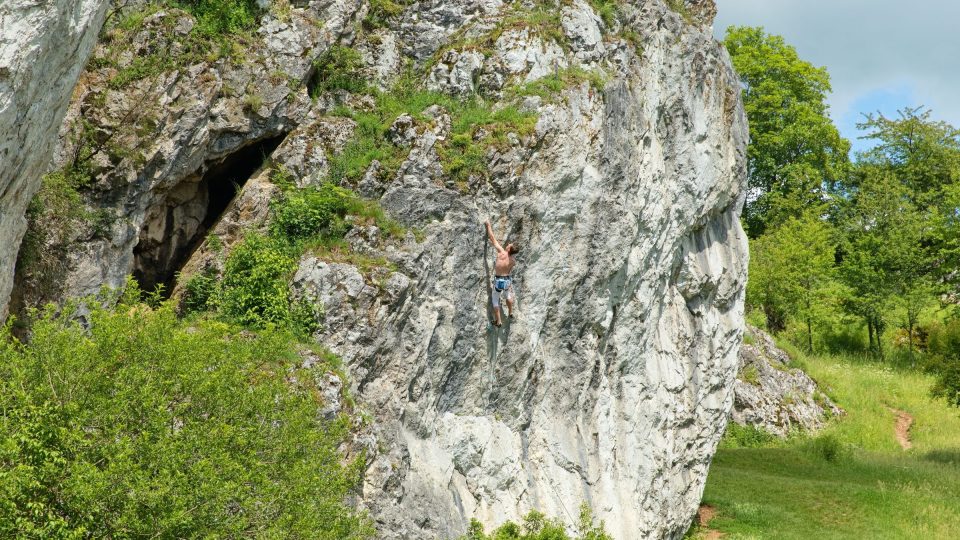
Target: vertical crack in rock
pixel 180 219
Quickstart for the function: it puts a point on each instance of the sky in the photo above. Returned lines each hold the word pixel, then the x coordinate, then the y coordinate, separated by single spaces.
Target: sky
pixel 882 55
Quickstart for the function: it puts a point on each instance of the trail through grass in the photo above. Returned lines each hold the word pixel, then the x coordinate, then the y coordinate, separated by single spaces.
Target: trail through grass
pixel 871 489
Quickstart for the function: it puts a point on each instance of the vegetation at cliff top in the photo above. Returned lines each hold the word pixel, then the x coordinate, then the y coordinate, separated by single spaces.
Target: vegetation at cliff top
pixel 476 126
pixel 145 425
pixel 221 29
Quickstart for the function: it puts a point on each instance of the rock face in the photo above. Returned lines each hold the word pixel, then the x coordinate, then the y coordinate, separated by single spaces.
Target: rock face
pixel 771 395
pixel 43 48
pixel 613 383
pixel 172 146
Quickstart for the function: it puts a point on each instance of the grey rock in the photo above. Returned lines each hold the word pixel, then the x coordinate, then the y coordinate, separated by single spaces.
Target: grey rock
pixel 456 73
pixel 775 396
pixel 614 382
pixel 403 131
pixel 43 48
pixel 582 27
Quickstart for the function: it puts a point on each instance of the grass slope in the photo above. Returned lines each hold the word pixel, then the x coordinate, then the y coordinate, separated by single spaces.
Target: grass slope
pixel 873 489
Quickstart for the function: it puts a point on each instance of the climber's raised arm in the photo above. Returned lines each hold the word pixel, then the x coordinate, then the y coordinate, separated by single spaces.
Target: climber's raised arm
pixel 493 239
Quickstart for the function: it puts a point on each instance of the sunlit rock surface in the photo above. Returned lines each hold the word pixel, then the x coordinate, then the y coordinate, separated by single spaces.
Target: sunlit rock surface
pixel 613 383
pixel 43 48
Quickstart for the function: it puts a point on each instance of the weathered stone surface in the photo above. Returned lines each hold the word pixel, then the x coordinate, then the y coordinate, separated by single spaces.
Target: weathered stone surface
pixel 613 383
pixel 43 48
pixel 773 395
pixel 182 132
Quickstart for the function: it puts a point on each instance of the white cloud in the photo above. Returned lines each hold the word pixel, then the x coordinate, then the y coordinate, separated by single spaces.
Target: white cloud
pixel 868 46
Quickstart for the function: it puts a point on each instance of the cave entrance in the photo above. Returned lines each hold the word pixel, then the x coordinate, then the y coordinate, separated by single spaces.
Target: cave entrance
pixel 178 223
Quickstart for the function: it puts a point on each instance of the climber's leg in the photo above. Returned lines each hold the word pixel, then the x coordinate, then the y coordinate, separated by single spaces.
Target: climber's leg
pixel 495 299
pixel 510 299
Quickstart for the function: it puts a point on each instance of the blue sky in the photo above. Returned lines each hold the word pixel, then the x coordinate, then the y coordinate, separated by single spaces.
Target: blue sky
pixel 882 55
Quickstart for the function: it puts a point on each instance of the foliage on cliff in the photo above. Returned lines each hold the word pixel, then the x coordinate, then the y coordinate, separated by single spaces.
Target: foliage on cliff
pixel 253 289
pixel 144 425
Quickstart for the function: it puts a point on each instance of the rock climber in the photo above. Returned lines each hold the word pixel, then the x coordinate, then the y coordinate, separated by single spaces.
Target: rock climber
pixel 502 282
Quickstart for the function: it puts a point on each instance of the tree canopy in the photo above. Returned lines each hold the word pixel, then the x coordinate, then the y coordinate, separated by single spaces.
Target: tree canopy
pixel 797 158
pixel 875 240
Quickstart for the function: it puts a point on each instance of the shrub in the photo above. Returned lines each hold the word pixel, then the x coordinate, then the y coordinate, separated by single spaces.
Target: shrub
pixel 537 526
pixel 146 426
pixel 827 447
pixel 943 346
pixel 748 436
pixel 218 17
pixel 339 68
pixel 255 289
pixel 201 292
pixel 312 212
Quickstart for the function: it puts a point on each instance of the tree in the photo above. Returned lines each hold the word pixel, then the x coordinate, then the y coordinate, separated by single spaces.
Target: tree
pixel 791 273
pixel 924 153
pixel 924 157
pixel 882 253
pixel 145 426
pixel 796 158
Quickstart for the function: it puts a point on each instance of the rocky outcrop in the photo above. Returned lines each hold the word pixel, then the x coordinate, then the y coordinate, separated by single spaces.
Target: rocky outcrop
pixel 773 395
pixel 613 383
pixel 164 149
pixel 43 48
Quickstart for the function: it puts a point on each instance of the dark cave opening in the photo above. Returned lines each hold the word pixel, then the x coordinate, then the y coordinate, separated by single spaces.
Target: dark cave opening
pixel 178 223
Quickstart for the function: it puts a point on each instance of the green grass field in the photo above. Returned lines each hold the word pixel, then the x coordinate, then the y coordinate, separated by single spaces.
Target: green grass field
pixel 868 487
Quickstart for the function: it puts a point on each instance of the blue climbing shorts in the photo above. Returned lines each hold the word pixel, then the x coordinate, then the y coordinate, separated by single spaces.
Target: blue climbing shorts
pixel 502 284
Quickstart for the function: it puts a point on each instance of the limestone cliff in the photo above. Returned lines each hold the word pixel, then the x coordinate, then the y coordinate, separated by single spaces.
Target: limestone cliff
pixel 623 181
pixel 43 48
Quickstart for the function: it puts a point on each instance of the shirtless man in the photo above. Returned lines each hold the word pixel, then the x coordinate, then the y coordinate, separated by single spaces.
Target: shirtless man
pixel 502 283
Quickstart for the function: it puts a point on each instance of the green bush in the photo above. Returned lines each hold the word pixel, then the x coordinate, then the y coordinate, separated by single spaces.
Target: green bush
pixel 218 17
pixel 144 426
pixel 201 292
pixel 943 360
pixel 255 290
pixel 312 212
pixel 748 436
pixel 339 68
pixel 537 526
pixel 827 447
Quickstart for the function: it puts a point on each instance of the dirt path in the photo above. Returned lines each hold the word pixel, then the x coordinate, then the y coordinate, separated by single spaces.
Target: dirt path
pixel 902 428
pixel 704 515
